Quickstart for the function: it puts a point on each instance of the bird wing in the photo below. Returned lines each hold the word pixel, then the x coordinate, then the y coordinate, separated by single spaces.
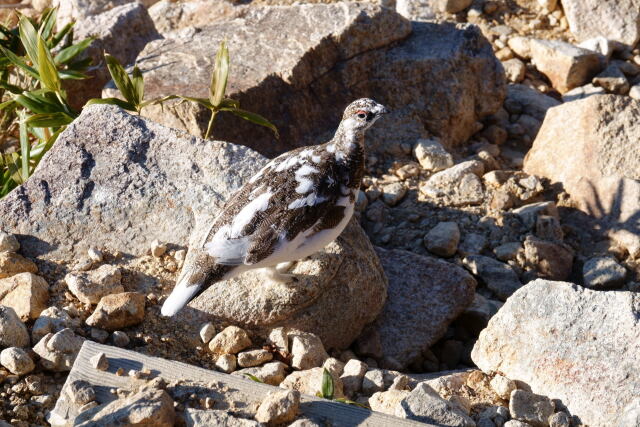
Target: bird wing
pixel 297 192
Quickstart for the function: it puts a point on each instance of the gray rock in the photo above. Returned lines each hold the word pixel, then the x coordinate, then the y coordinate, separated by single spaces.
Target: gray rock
pixel 452 6
pixel 352 375
pixel 514 70
pixel 52 319
pixel 16 360
pixel 603 273
pixel 425 405
pixel 612 80
pixel 582 92
pixel 310 382
pixel 634 92
pixel 443 239
pixel 472 244
pixel 528 101
pixel 507 251
pixel 80 392
pixel 226 363
pixel 425 295
pixel 26 293
pixel 74 10
pixel 550 260
pixel 561 419
pixel 58 351
pixel 117 311
pixel 416 10
pixel 516 423
pixel 497 276
pixel 171 16
pixel 249 359
pixel 279 407
pixel 431 155
pixel 90 286
pixel 373 381
pixel 538 337
pixel 630 416
pixel 13 333
pixel 230 340
pixel 393 193
pixel 8 242
pixel 200 418
pixel 612 19
pixel 120 338
pixel 348 51
pixel 528 214
pixel 307 350
pixel 531 408
pixel 272 373
pixel 457 185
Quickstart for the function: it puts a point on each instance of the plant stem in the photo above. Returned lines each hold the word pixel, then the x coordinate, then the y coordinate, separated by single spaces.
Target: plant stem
pixel 213 117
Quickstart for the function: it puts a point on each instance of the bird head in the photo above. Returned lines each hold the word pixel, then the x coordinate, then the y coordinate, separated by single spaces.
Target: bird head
pixel 361 114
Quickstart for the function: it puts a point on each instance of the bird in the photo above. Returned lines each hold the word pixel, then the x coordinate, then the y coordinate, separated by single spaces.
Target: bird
pixel 298 203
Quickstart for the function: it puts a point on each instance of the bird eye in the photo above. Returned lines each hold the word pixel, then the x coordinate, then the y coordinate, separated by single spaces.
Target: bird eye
pixel 362 114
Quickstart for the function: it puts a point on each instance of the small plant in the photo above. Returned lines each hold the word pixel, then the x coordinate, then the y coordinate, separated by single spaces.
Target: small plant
pixel 254 378
pixel 328 389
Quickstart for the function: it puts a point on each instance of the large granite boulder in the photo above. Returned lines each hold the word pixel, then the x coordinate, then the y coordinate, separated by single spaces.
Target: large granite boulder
pixel 117 182
pixel 568 343
pixel 612 19
pixel 300 65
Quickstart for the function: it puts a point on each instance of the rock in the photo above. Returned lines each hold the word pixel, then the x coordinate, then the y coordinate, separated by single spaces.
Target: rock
pixel 528 214
pixel 74 10
pixel 497 276
pixel 207 332
pixel 425 295
pixel 95 255
pixel 540 334
pixel 231 340
pixel 393 193
pixel 507 251
pixel 58 351
pixel 99 362
pixel 582 92
pixel 158 248
pixel 599 44
pixel 459 185
pixel 603 273
pixel 634 92
pixel 12 264
pixel 475 317
pixel 52 319
pixel 352 376
pixel 198 418
pixel 226 363
pixel 600 168
pixel 118 311
pixel 559 419
pixel 150 407
pixel 516 423
pixel 613 20
pixel 550 260
pixel 310 382
pixel 26 293
pixel 521 46
pixel 249 359
pixel 549 228
pixel 612 80
pixel 90 286
pixel 16 360
pixel 279 407
pixel 272 373
pixel 373 382
pixel 452 6
pixel 530 408
pixel 278 337
pixel 387 401
pixel 343 44
pixel 169 16
pixel 473 243
pixel 99 335
pixel 514 70
pixel 529 101
pixel 431 155
pixel 503 386
pixel 566 65
pixel 120 338
pixel 122 31
pixel 443 239
pixel 80 392
pixel 425 405
pixel 13 333
pixel 8 242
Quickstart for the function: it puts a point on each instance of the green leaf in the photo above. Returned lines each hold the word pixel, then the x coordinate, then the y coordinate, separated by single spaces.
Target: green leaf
pixel 40 102
pixel 57 38
pixel 15 60
pixel 11 88
pixel 10 104
pixel 202 101
pixel 49 120
pixel 43 146
pixel 327 384
pixel 120 78
pixel 229 103
pixel 72 75
pixel 112 101
pixel 253 118
pixel 254 378
pixel 29 39
pixel 219 76
pixel 47 68
pixel 138 84
pixel 24 146
pixel 47 23
pixel 68 53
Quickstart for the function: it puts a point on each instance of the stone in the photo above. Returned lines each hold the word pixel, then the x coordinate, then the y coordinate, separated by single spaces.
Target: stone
pixel 425 295
pixel 477 315
pixel 51 319
pixel 117 311
pixel 198 418
pixel 16 360
pixel 147 407
pixel 516 423
pixel 431 155
pixel 386 402
pixel 528 214
pixel 12 264
pixel 158 248
pixel 120 338
pixel 550 260
pixel 342 44
pixel 443 239
pixel 567 66
pixel 600 169
pixel 168 16
pixel 598 44
pixel 8 242
pixel 539 332
pixel 81 392
pixel 497 276
pixel 528 101
pixel 514 70
pixel 121 31
pixel 226 363
pixel 90 286
pixel 334 366
pixel 582 92
pixel 13 333
pixel 26 293
pixel 278 337
pixel 612 80
pixel 503 386
pixel 425 405
pixel 613 20
pixel 95 255
pixel 231 340
pixel 310 382
pixel 58 351
pixel 559 419
pixel 272 373
pixel 521 46
pixel 507 251
pixel 99 335
pixel 459 185
pixel 634 92
pixel 249 359
pixel 549 228
pixel 603 273
pixel 279 407
pixel 373 381
pixel 207 332
pixel 352 376
pixel 393 193
pixel 530 408
pixel 452 6
pixel 99 362
pixel 472 244
pixel 73 10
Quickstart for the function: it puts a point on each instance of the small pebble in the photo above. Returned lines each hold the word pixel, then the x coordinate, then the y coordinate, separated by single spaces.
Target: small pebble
pixel 95 255
pixel 120 339
pixel 100 362
pixel 207 332
pixel 157 248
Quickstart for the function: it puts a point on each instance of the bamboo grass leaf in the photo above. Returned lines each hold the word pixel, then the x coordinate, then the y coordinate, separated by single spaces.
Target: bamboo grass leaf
pixel 47 68
pixel 253 118
pixel 219 76
pixel 29 38
pixel 120 78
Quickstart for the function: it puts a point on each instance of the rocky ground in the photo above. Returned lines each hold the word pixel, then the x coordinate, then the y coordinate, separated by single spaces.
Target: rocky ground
pixel 490 275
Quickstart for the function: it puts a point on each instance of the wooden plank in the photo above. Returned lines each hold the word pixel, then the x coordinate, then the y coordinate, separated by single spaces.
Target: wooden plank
pixel 235 387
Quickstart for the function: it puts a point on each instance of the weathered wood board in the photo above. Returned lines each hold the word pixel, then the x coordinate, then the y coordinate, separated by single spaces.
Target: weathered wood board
pixel 336 414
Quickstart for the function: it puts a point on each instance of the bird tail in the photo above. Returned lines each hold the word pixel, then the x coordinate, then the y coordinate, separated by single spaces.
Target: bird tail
pixel 196 276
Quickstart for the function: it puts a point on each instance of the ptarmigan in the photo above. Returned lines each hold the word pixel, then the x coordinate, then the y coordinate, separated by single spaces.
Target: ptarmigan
pixel 296 205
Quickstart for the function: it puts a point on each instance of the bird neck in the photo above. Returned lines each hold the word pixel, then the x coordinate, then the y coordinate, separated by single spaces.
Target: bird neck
pixel 348 148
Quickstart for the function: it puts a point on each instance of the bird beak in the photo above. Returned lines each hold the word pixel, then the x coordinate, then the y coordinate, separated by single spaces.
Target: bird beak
pixel 381 109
